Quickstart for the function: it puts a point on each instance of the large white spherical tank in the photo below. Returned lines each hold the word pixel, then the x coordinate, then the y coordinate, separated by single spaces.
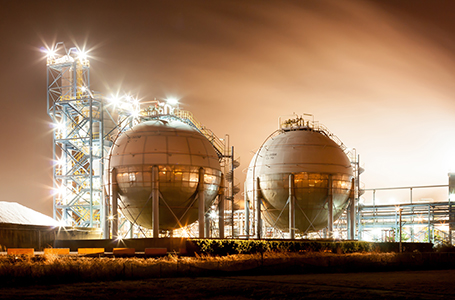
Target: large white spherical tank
pixel 312 157
pixel 178 151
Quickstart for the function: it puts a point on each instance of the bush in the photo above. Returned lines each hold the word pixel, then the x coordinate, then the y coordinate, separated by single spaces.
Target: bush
pixel 226 247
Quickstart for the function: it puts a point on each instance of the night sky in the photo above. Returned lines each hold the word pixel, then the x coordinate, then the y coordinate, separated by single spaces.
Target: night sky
pixel 379 74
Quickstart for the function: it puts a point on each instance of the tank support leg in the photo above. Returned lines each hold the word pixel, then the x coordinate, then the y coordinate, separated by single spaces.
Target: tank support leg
pixel 259 204
pixel 247 214
pixel 221 208
pixel 352 210
pixel 291 207
pixel 155 202
pixel 207 227
pixel 114 204
pixel 201 203
pixel 330 209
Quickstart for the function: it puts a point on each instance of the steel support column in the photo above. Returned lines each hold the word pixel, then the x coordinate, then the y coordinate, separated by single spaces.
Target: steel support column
pixel 330 208
pixel 155 202
pixel 352 211
pixel 291 207
pixel 114 203
pixel 258 208
pixel 247 213
pixel 201 203
pixel 221 208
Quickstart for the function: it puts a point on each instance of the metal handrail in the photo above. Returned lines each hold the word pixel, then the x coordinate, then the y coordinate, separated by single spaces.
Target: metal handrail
pixel 301 123
pixel 209 134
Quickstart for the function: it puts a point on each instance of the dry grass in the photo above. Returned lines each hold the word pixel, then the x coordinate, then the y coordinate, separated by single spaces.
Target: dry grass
pixel 49 269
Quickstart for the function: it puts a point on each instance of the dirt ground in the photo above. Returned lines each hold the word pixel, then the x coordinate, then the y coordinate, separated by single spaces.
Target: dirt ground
pixel 438 284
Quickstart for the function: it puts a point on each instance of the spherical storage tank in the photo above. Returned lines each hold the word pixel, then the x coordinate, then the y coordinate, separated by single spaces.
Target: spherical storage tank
pixel 312 157
pixel 178 151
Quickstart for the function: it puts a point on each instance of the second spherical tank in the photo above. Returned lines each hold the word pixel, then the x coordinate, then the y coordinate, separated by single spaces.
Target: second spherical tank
pixel 312 157
pixel 178 152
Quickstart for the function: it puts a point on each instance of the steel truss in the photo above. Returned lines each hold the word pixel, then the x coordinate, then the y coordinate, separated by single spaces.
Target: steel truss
pixel 78 146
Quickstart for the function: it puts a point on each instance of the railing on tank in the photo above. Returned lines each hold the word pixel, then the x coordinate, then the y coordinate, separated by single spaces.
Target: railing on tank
pixel 189 118
pixel 300 123
pixel 158 111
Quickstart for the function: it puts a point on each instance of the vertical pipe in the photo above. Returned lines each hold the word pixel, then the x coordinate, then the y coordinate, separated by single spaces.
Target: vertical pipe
pixel 400 211
pixel 429 223
pixel 155 202
pixel 291 207
pixel 221 208
pixel 247 212
pixel 54 169
pixel 232 189
pixel 90 168
pixel 207 226
pixel 451 195
pixel 352 211
pixel 201 204
pixel 396 225
pixel 412 215
pixel 104 208
pixel 330 208
pixel 114 203
pixel 258 208
pixel 105 215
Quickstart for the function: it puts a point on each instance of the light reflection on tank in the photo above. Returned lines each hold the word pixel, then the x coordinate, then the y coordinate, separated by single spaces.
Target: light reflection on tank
pixel 179 151
pixel 311 156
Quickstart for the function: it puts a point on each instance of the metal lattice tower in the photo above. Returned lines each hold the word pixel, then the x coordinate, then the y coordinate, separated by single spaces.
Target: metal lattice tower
pixel 78 146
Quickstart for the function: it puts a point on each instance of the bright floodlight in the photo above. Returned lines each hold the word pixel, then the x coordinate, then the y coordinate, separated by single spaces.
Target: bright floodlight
pixel 82 55
pixel 213 214
pixel 172 101
pixel 115 100
pixel 49 52
pixel 135 113
pixel 59 126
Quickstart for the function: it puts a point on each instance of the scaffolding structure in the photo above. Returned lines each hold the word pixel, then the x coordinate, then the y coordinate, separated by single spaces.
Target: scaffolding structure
pixel 78 145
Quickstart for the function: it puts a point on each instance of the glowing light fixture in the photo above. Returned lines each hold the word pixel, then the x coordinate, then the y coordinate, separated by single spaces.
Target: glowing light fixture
pixel 49 52
pixel 213 215
pixel 172 101
pixel 82 55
